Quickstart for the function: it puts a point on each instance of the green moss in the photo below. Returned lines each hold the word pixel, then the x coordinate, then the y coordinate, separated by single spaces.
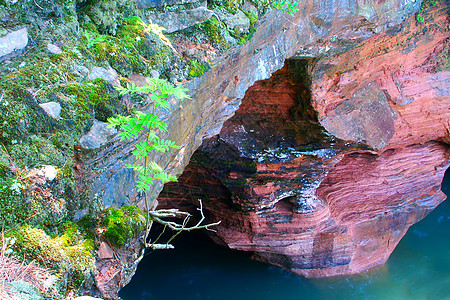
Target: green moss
pixel 122 224
pixel 149 42
pixel 216 32
pixel 137 47
pixel 420 16
pixel 69 254
pixel 197 68
pixel 13 207
pixel 36 150
pixel 21 115
pixel 95 99
pixel 123 57
pixel 231 6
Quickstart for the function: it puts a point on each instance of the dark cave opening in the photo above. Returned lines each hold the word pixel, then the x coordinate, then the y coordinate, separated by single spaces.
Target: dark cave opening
pixel 274 123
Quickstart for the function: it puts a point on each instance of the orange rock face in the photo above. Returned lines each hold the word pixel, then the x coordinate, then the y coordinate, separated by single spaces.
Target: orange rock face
pixel 326 181
pixel 392 90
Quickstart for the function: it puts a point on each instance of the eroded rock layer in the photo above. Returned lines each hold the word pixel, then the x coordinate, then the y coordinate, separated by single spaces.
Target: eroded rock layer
pixel 393 89
pixel 331 200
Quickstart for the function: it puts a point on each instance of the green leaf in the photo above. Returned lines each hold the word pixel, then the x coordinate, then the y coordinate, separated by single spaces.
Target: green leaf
pixel 162 145
pixel 144 182
pixel 118 121
pixel 164 177
pixel 160 91
pixel 152 121
pixel 122 91
pixel 160 100
pixel 137 168
pixel 142 149
pixel 154 167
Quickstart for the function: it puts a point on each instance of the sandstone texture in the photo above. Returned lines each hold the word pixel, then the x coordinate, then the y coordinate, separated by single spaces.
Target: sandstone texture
pixel 393 90
pixel 324 167
pixel 313 169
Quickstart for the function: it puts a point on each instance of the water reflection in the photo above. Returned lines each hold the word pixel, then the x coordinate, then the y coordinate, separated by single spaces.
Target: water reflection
pixel 419 268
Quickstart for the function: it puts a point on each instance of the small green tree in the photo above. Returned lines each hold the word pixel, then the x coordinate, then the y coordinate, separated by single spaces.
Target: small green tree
pixel 159 92
pixel 286 6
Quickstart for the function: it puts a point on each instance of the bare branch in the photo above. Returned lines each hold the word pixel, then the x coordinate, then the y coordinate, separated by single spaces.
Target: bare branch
pixel 159 215
pixel 161 246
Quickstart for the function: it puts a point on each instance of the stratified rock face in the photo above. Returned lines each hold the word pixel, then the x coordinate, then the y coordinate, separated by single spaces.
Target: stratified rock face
pixel 392 90
pixel 217 94
pixel 359 212
pixel 269 172
pixel 331 200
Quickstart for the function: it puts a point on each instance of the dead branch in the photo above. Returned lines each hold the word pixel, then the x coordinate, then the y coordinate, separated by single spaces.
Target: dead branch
pixel 159 215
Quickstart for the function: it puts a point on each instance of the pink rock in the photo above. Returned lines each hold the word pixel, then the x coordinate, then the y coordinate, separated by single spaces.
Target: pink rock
pixel 104 251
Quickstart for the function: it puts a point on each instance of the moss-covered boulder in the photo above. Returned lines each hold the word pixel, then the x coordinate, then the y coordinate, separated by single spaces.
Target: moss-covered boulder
pixel 122 224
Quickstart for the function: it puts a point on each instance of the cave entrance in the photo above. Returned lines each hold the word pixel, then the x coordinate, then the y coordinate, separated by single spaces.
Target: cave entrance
pixel 275 124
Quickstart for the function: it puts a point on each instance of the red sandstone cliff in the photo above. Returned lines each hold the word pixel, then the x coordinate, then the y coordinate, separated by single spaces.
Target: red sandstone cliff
pixel 332 200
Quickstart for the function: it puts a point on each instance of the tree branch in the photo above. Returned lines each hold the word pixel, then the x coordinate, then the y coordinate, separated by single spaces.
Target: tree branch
pixel 158 215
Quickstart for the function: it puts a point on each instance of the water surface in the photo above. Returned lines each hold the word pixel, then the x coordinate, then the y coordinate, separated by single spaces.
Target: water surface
pixel 419 268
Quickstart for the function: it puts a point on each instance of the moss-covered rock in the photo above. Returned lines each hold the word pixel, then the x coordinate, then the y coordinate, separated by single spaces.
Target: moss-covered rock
pixel 106 14
pixel 69 254
pixel 13 208
pixel 122 224
pixel 149 41
pixel 197 68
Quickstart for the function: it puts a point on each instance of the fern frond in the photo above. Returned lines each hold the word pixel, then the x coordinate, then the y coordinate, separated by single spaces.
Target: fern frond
pixel 160 100
pixel 132 127
pixel 137 168
pixel 117 121
pixel 162 145
pixel 122 91
pixel 180 93
pixel 142 149
pixel 152 121
pixel 154 167
pixel 144 183
pixel 164 177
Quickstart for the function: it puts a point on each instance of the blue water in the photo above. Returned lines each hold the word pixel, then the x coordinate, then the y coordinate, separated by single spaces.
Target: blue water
pixel 419 268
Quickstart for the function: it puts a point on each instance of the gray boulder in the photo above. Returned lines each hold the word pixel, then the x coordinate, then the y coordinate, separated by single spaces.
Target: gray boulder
pixel 107 74
pixel 13 43
pixel 178 20
pixel 53 109
pixel 98 135
pixel 238 20
pixel 53 49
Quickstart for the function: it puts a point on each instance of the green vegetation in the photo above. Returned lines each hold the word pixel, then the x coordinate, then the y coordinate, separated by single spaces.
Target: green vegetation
pixel 286 6
pixel 159 91
pixel 13 210
pixel 122 224
pixel 69 254
pixel 424 7
pixel 36 212
pixel 197 68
